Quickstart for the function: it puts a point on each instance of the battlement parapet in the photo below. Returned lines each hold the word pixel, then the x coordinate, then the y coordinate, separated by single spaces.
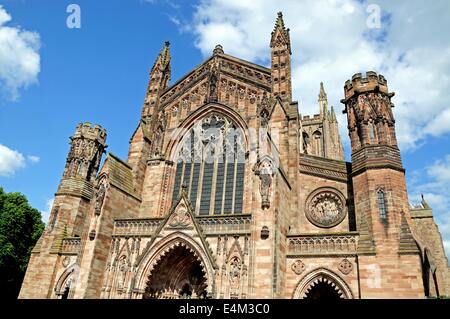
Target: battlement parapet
pixel 89 131
pixel 360 84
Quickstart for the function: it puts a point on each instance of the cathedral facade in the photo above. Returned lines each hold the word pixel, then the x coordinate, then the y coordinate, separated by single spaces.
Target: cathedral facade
pixel 228 192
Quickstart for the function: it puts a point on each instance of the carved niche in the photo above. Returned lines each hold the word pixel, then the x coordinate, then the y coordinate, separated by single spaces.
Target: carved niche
pixel 235 273
pixel 99 197
pixel 325 207
pixel 266 172
pixel 264 110
pixel 212 82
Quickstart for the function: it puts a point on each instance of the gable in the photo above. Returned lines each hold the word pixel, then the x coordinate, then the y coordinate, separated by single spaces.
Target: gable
pixel 253 75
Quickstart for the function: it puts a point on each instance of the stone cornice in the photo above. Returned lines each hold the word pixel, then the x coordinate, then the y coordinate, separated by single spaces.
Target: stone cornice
pixel 324 167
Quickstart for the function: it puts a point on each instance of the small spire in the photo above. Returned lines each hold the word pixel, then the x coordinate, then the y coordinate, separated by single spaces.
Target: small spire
pixel 323 102
pixel 322 94
pixel 333 114
pixel 164 56
pixel 280 33
pixel 424 203
pixel 280 21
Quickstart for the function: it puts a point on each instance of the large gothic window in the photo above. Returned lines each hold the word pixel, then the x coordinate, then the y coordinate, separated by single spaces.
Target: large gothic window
pixel 211 164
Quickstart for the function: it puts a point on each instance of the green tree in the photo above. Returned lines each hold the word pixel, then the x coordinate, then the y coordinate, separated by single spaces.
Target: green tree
pixel 20 227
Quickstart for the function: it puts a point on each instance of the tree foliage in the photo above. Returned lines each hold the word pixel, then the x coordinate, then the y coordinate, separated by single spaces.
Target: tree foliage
pixel 20 227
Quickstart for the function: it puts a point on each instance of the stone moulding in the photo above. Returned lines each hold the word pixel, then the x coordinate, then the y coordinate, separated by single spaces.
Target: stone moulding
pixel 323 244
pixel 211 225
pixel 326 168
pixel 71 246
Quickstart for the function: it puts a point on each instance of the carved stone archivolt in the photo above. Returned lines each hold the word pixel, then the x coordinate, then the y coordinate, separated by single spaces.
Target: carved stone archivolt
pixel 322 276
pixel 298 267
pixel 345 266
pixel 325 207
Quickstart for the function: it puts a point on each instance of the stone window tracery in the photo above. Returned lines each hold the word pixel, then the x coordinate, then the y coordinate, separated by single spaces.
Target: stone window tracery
pixel 211 164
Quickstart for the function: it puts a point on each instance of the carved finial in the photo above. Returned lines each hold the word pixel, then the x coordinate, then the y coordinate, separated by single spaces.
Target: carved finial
pixel 184 188
pixel 333 114
pixel 218 50
pixel 323 102
pixel 164 55
pixel 322 94
pixel 424 203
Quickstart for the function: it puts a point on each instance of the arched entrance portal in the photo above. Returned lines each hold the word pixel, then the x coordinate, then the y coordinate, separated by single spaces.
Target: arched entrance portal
pixel 323 290
pixel 178 274
pixel 322 284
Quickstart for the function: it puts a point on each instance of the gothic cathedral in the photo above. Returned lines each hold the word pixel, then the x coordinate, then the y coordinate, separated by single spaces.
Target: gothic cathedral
pixel 228 192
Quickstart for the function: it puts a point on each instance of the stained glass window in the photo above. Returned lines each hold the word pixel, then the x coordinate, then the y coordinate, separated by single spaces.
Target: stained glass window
pixel 211 163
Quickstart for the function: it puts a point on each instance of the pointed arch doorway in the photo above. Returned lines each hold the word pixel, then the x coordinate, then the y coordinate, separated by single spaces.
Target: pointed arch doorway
pixel 178 274
pixel 322 284
pixel 323 290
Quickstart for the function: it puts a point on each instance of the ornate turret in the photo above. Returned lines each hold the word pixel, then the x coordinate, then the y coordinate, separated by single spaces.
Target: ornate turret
pixel 378 178
pixel 87 147
pixel 368 107
pixel 280 44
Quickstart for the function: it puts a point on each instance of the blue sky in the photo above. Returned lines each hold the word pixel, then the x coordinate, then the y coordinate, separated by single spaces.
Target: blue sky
pixel 53 77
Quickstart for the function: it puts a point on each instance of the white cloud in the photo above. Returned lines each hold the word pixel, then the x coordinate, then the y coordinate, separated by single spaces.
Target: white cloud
pixel 331 42
pixel 19 57
pixel 46 213
pixel 435 191
pixel 12 160
pixel 33 159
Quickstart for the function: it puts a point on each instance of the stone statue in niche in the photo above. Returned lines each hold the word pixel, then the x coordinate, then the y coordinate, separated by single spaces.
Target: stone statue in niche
pixel 54 219
pixel 159 134
pixel 122 274
pixel 265 175
pixel 213 86
pixel 99 198
pixel 235 272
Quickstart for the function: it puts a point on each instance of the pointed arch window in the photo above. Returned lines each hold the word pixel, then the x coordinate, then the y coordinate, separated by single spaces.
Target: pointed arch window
pixel 211 163
pixel 372 132
pixel 317 140
pixel 382 204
